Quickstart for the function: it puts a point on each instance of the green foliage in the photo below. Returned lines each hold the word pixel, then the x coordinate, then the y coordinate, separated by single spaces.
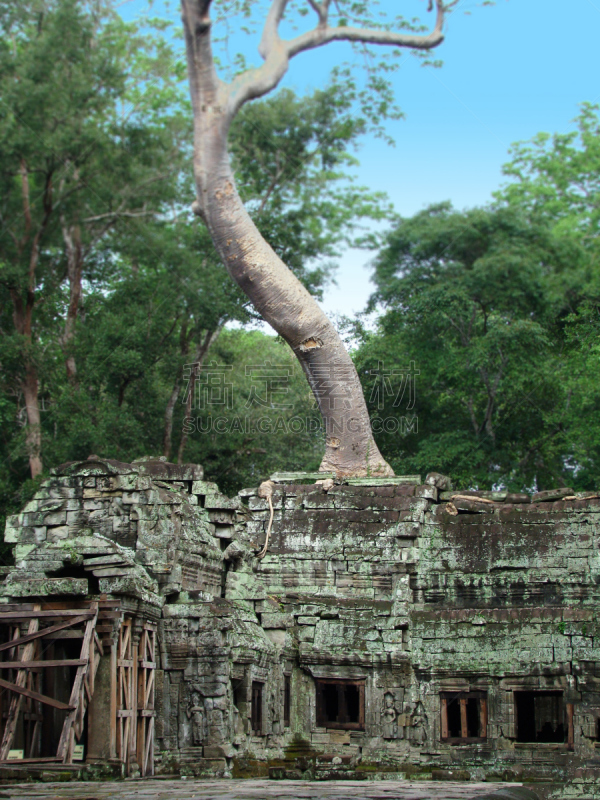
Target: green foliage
pixel 273 423
pixel 477 300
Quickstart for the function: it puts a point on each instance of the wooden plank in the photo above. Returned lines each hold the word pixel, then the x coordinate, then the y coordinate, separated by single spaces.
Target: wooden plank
pixel 60 662
pixel 23 615
pixel 98 643
pixel 464 728
pixel 44 632
pixel 149 754
pixel 570 727
pixel 77 634
pixel 483 717
pixel 46 759
pixel 16 702
pixel 134 701
pixel 113 700
pixel 444 718
pixel 66 742
pixel 147 712
pixel 149 693
pixel 42 698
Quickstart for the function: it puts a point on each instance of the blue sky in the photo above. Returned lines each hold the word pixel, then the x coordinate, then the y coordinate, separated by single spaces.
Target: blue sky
pixel 510 71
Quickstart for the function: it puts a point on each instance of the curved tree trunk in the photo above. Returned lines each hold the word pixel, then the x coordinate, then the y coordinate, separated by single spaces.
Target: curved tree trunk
pixel 288 307
pixel 274 290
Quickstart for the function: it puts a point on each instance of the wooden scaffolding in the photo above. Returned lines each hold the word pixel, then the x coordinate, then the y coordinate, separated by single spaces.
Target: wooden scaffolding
pixel 25 672
pixel 31 680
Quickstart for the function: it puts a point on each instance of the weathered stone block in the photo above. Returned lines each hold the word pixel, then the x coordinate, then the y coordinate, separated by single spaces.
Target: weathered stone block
pixel 276 620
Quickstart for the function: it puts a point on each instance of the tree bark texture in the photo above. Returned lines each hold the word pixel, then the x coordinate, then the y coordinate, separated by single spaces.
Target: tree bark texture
pixel 72 239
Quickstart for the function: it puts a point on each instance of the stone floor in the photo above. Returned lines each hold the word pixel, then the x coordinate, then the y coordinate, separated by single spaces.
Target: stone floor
pixel 248 790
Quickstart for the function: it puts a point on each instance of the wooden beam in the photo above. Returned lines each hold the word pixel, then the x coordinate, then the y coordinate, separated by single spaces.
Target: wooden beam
pixel 483 717
pixel 67 740
pixel 464 729
pixel 444 718
pixel 21 615
pixel 60 662
pixel 44 631
pixel 98 643
pixel 15 762
pixel 41 698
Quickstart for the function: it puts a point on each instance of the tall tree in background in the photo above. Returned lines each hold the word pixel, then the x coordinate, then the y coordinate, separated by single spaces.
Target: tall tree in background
pixel 273 289
pixel 74 161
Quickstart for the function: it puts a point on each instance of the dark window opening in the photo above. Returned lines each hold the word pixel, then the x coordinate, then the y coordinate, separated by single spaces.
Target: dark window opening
pixel 257 703
pixel 340 704
pixel 287 700
pixel 463 717
pixel 540 716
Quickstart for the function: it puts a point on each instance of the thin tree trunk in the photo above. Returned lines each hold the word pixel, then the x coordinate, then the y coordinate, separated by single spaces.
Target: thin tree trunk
pixel 72 238
pixel 33 438
pixel 23 308
pixel 169 411
pixel 184 346
pixel 199 356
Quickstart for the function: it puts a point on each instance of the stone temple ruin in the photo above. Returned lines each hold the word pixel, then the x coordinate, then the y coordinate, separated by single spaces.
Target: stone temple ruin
pixel 392 627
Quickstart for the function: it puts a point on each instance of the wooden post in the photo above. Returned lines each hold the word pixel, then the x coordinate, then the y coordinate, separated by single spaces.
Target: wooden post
pixel 444 718
pixel 134 706
pixel 145 703
pixel 113 699
pixel 483 717
pixel 78 701
pixel 464 729
pixel 17 699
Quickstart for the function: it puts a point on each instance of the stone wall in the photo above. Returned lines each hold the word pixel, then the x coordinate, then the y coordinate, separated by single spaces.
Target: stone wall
pixel 403 595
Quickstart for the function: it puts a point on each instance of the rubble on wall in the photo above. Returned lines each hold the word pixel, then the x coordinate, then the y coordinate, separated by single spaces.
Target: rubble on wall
pixel 394 597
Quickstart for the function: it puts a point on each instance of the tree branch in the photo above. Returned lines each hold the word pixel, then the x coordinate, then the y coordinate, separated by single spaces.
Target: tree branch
pixel 277 53
pixel 323 35
pixel 322 9
pixel 270 35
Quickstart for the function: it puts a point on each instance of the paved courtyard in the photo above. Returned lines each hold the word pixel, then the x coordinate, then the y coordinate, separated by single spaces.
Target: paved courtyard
pixel 248 790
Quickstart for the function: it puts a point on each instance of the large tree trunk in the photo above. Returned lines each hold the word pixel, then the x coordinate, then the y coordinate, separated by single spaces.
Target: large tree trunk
pixel 288 307
pixel 274 290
